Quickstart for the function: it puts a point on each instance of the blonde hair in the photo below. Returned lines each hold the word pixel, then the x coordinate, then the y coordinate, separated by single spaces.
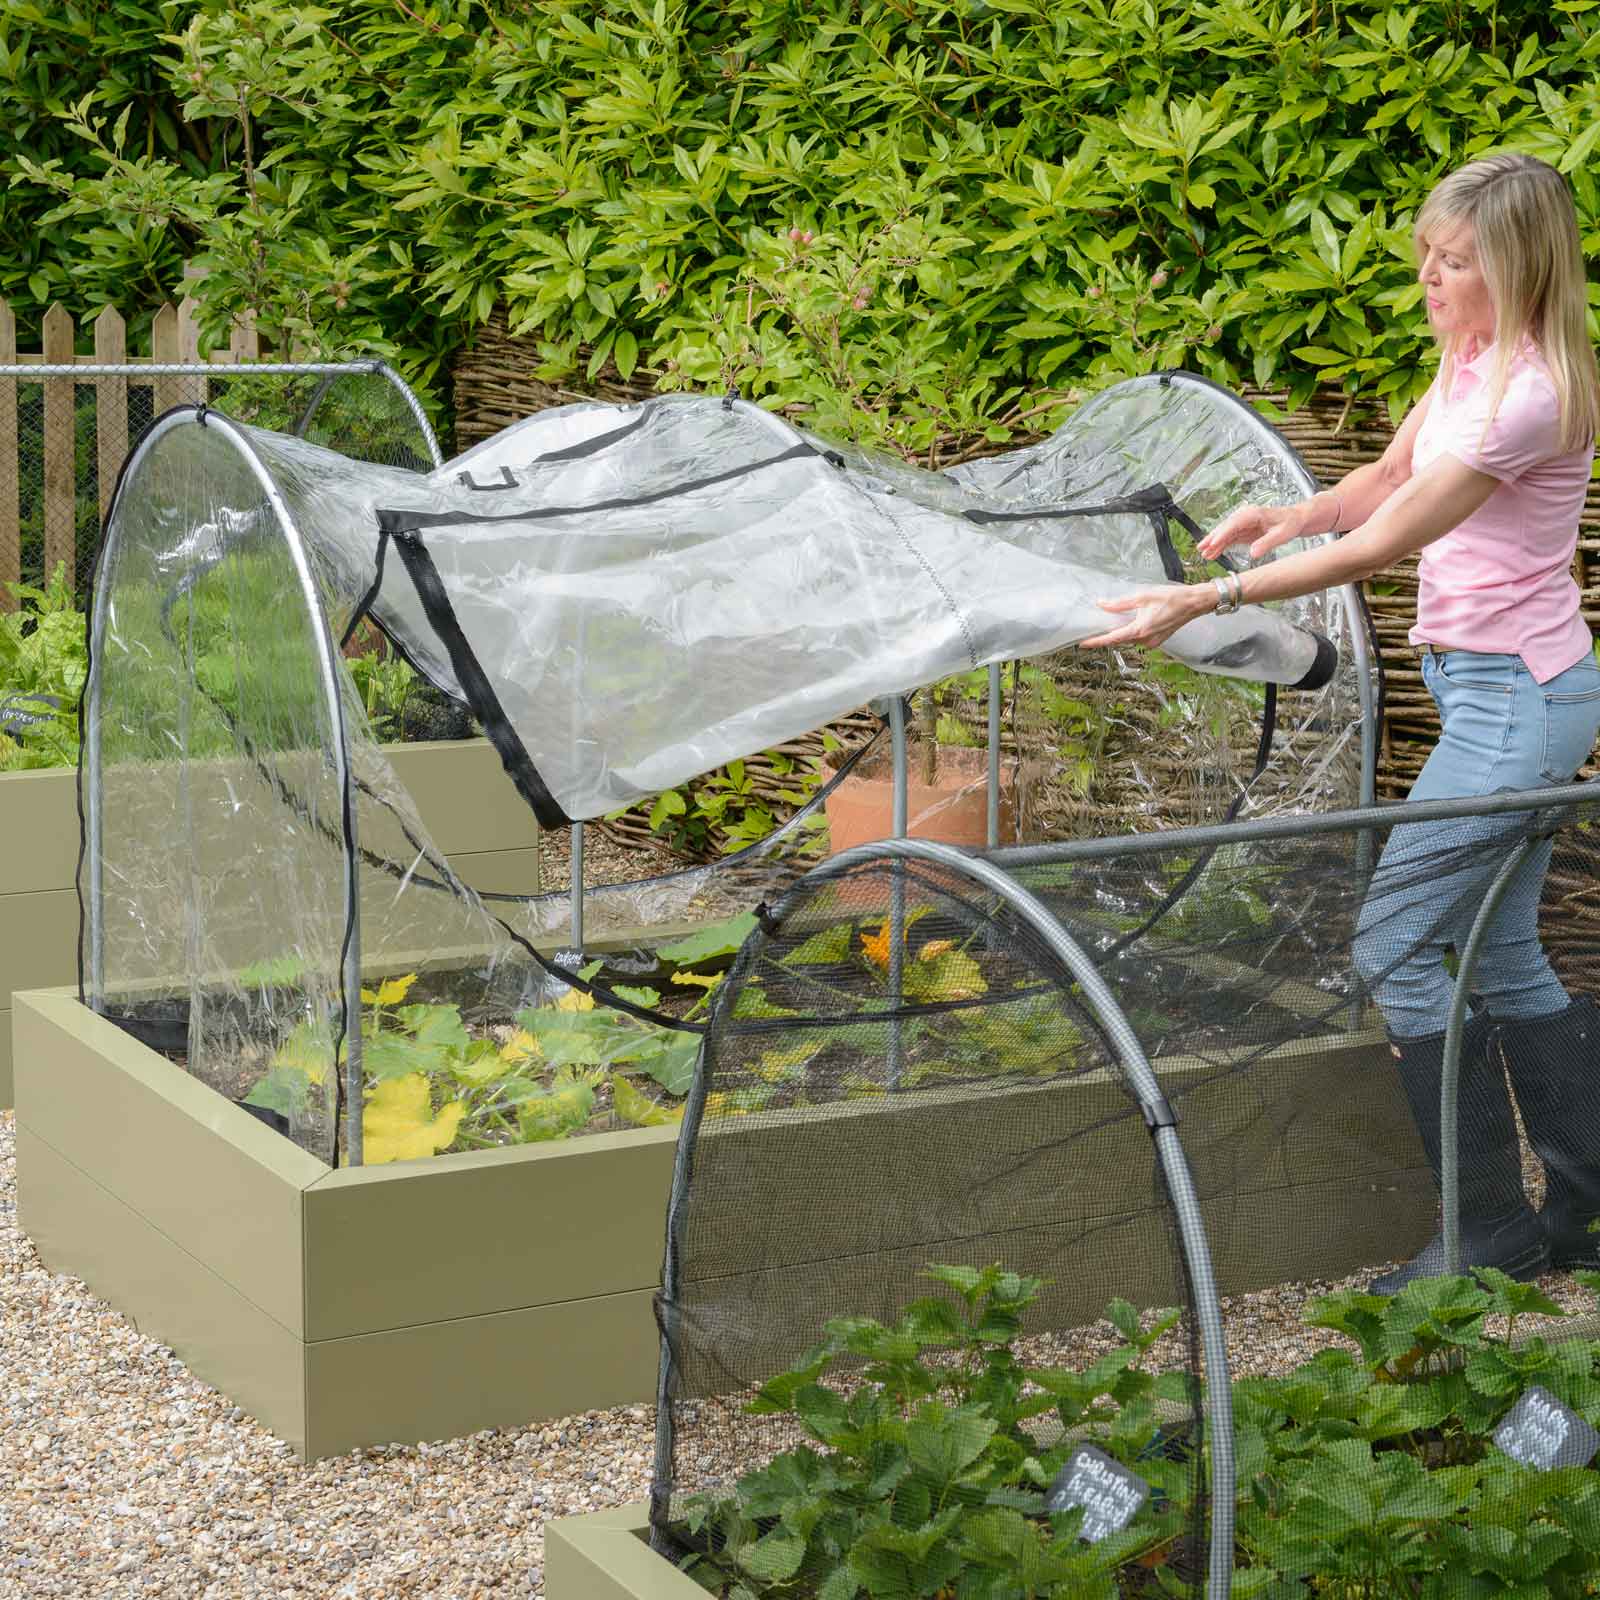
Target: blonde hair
pixel 1526 234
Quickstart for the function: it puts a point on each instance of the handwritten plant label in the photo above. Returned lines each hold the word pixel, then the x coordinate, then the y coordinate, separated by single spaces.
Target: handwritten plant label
pixel 1109 1493
pixel 22 711
pixel 1540 1432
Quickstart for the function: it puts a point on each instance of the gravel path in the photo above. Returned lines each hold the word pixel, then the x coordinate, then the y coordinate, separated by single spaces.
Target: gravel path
pixel 123 1475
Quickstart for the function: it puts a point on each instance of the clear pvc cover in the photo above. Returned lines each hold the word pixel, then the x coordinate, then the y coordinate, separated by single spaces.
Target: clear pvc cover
pixel 219 729
pixel 212 906
pixel 652 591
pixel 232 779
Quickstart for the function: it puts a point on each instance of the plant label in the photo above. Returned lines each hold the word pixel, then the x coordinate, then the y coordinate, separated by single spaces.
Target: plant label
pixel 21 711
pixel 1109 1493
pixel 1541 1432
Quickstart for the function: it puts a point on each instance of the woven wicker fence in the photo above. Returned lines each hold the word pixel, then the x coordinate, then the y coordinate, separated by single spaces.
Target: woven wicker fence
pixel 494 387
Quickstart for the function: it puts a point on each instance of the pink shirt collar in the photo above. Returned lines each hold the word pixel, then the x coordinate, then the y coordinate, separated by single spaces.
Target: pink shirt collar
pixel 1478 365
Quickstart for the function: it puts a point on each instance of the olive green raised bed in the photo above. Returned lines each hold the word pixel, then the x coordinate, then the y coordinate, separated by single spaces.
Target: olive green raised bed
pixel 606 1555
pixel 431 1298
pixel 416 1300
pixel 464 797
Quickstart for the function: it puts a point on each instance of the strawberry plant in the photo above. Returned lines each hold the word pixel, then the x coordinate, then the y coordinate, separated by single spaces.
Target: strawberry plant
pixel 1368 1472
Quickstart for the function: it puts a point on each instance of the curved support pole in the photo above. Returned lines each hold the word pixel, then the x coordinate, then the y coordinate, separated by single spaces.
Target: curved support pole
pixel 1450 1068
pixel 576 891
pixel 414 406
pixel 318 395
pixel 1169 1151
pixel 350 973
pixel 992 825
pixel 383 370
pixel 1350 594
pixel 897 893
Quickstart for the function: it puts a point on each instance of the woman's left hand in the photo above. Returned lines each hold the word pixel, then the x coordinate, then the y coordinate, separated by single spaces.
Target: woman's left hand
pixel 1156 614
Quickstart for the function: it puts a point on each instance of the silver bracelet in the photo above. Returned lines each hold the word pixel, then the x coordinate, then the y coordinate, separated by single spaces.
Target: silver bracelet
pixel 1338 510
pixel 1228 595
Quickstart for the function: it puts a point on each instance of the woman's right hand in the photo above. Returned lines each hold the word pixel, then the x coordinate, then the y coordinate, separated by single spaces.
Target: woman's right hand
pixel 1265 527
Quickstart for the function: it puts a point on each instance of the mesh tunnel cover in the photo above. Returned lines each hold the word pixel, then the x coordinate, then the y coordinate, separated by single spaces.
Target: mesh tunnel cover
pixel 839 1143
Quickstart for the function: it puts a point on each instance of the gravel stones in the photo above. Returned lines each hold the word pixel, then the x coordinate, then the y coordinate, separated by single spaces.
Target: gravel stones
pixel 123 1475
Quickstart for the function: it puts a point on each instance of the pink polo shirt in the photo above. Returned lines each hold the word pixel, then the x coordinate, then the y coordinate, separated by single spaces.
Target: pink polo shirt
pixel 1501 580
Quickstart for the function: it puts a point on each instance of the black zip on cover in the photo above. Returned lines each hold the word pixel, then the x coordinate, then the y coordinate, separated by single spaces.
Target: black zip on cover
pixel 485 703
pixel 415 521
pixel 1155 502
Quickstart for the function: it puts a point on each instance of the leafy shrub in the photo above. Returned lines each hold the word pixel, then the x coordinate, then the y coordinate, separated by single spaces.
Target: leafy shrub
pixel 910 221
pixel 52 57
pixel 44 660
pixel 1365 1474
pixel 929 1483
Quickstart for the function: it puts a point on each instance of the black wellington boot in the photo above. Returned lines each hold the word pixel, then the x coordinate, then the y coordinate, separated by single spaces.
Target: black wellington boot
pixel 1498 1226
pixel 1555 1069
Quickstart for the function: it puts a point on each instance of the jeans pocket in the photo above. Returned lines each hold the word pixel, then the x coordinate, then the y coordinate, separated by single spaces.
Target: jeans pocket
pixel 1477 674
pixel 1571 724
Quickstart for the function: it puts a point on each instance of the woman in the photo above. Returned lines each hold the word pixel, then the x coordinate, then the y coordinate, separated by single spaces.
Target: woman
pixel 1486 478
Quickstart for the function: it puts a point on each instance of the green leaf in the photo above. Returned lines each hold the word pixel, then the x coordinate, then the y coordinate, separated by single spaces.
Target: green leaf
pixel 774 1558
pixel 1326 239
pixel 825 948
pixel 670 803
pixel 1124 1318
pixel 822 1410
pixel 273 971
pixel 638 1108
pixel 717 939
pixel 943 1442
pixel 673 1064
pixel 434 1027
pixel 648 998
pixel 625 352
pixel 1322 357
pixel 840 1584
pixel 281 1089
pixel 778 1394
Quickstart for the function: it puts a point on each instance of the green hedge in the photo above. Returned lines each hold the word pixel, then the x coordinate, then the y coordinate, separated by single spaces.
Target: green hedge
pixel 916 217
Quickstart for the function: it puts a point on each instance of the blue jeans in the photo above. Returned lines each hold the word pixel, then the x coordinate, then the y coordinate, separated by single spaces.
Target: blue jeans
pixel 1501 730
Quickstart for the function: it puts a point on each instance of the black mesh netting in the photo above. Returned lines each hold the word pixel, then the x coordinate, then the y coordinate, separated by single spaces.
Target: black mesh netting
pixel 839 1143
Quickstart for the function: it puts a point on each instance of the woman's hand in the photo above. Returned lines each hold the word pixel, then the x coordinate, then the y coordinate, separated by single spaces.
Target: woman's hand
pixel 1157 614
pixel 1266 527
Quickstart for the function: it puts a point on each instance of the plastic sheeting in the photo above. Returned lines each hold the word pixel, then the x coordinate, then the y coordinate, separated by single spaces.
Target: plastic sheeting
pixel 652 591
pixel 251 850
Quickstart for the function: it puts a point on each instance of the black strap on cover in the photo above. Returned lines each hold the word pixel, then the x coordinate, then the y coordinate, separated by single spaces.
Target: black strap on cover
pixel 364 605
pixel 474 681
pixel 587 447
pixel 1269 723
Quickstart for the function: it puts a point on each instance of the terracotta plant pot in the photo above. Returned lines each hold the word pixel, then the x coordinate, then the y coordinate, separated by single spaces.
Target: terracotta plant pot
pixel 953 810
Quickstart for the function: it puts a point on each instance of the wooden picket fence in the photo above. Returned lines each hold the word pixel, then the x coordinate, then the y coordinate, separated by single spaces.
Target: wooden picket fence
pixel 53 499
